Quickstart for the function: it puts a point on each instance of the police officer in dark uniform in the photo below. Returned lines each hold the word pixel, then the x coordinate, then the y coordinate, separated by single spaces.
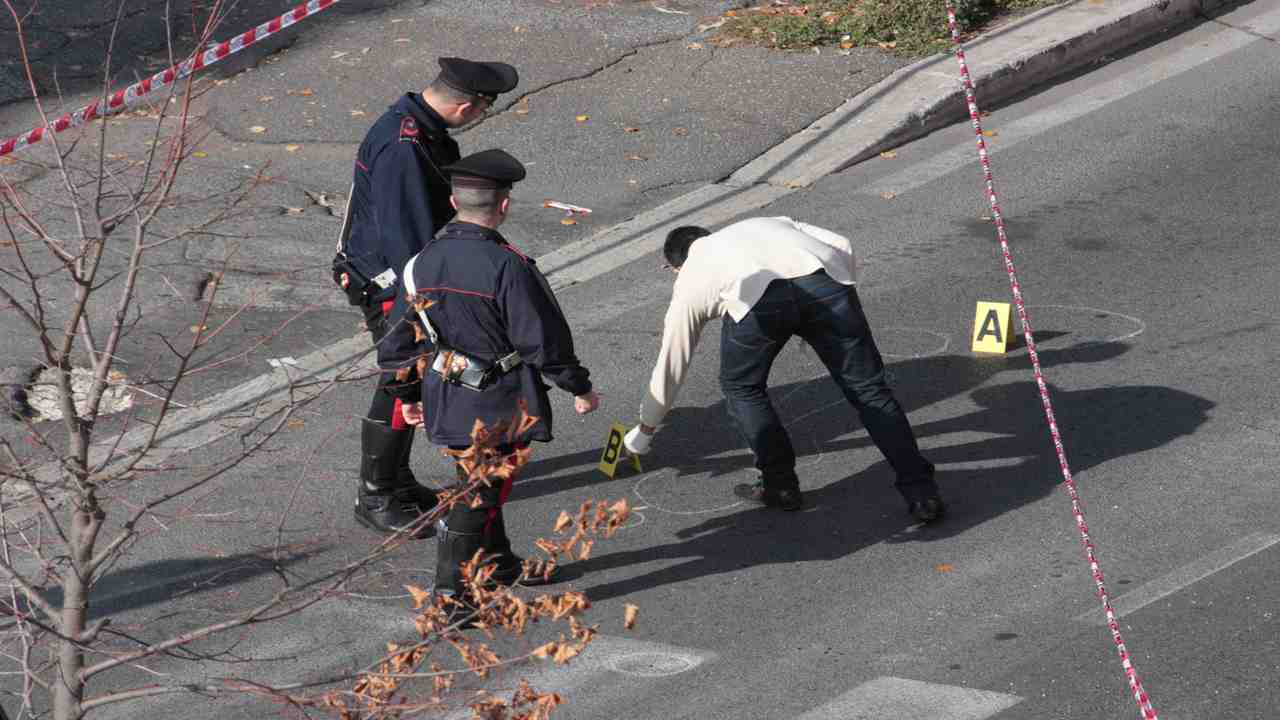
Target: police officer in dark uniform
pixel 496 331
pixel 399 201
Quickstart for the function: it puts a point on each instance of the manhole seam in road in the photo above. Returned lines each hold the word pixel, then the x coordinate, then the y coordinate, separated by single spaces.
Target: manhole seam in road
pixel 652 664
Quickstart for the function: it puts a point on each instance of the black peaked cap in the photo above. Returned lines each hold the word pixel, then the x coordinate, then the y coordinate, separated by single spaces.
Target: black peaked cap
pixel 487 79
pixel 486 169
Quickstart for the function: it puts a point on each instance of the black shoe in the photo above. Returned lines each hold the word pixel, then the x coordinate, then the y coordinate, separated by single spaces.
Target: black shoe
pixel 781 499
pixel 390 511
pixel 928 510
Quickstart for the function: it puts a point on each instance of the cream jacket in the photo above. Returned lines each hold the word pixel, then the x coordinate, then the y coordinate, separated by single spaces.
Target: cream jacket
pixel 726 273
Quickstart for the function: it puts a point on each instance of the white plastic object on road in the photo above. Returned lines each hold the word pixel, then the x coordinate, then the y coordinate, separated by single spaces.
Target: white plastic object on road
pixel 569 209
pixel 637 441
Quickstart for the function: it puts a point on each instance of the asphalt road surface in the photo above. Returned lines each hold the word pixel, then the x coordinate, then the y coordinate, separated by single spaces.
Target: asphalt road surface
pixel 1142 205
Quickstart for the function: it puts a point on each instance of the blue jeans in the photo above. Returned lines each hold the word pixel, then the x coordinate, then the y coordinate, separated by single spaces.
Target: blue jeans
pixel 829 317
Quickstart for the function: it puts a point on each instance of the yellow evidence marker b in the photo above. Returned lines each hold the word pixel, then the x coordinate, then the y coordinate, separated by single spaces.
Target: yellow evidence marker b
pixel 992 324
pixel 614 452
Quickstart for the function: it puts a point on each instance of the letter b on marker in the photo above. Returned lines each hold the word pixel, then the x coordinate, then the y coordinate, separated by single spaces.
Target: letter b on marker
pixel 613 452
pixel 991 328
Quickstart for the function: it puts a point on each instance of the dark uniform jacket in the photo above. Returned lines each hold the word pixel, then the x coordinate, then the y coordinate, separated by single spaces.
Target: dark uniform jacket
pixel 490 299
pixel 401 198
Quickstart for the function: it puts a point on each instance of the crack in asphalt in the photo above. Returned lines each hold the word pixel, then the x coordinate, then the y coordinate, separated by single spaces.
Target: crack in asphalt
pixel 710 56
pixel 632 52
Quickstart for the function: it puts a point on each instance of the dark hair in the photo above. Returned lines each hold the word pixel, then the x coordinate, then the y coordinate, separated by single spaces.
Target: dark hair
pixel 676 248
pixel 481 200
pixel 451 93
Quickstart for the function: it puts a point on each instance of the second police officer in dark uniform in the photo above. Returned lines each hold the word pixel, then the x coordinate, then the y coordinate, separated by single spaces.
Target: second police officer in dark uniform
pixel 490 307
pixel 399 201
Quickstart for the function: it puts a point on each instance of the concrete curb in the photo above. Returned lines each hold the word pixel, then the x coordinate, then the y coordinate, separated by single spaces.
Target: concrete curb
pixel 907 105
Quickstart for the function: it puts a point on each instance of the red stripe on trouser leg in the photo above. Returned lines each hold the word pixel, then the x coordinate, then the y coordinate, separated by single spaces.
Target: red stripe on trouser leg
pixel 397 416
pixel 504 492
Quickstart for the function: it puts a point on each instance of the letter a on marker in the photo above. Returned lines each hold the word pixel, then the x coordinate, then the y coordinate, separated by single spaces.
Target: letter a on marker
pixel 991 328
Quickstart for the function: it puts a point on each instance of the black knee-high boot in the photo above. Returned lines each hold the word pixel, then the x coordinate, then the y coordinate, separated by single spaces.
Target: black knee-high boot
pixel 384 502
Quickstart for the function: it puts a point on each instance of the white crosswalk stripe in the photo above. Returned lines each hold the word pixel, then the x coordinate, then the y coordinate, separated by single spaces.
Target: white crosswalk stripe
pixel 892 698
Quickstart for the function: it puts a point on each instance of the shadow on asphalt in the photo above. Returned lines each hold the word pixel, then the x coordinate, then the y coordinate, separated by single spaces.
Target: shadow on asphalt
pixel 1017 459
pixel 165 581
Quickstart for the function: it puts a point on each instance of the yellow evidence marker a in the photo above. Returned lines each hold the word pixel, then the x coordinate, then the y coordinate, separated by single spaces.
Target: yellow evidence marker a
pixel 614 452
pixel 991 327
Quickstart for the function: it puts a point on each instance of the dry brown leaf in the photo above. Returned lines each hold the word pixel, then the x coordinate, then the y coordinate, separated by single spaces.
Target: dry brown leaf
pixel 631 129
pixel 629 616
pixel 340 54
pixel 402 40
pixel 944 567
pixel 990 133
pixel 694 46
pixel 565 653
pixel 8 160
pixel 546 651
pixel 889 154
pixel 888 195
pixel 582 118
pixel 295 423
pixel 291 210
pixel 633 156
pixel 793 184
pixel 292 148
pixel 200 154
pixel 568 221
pixel 198 329
pixel 358 113
pixel 257 129
pixel 420 597
pixel 266 98
pixel 304 92
pixel 680 131
pixel 523 107
pixel 846 45
pixel 563 521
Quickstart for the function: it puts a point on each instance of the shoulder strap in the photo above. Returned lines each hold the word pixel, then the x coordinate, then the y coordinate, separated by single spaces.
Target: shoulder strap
pixel 345 233
pixel 410 133
pixel 412 286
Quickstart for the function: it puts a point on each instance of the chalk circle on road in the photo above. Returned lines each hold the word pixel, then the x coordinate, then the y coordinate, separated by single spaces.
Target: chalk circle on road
pixel 652 664
pixel 687 484
pixel 905 342
pixel 1081 325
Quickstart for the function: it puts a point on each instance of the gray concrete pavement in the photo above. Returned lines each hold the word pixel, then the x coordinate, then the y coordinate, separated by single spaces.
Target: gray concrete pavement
pixel 1142 233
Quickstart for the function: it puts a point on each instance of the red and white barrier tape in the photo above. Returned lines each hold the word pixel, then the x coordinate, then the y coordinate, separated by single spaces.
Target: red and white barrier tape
pixel 1131 673
pixel 132 94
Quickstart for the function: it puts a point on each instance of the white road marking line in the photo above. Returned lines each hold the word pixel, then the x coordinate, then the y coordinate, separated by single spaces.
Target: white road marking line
pixel 1224 40
pixel 891 698
pixel 1187 575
